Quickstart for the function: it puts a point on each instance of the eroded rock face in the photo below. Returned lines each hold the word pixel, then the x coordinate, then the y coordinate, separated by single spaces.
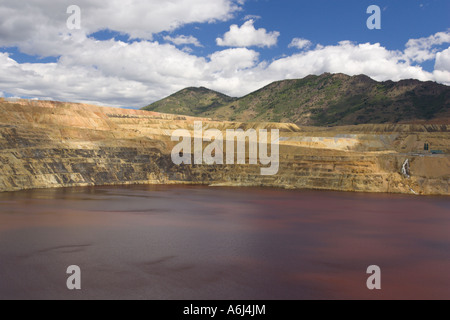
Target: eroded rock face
pixel 50 144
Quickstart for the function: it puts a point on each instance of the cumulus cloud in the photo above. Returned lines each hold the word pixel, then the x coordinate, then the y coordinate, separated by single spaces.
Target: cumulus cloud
pixel 442 67
pixel 45 20
pixel 443 60
pixel 68 83
pixel 352 59
pixel 122 74
pixel 300 43
pixel 231 61
pixel 248 36
pixel 135 74
pixel 183 40
pixel 423 49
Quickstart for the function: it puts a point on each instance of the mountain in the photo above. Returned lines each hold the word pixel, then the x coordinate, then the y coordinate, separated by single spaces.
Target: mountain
pixel 325 100
pixel 191 102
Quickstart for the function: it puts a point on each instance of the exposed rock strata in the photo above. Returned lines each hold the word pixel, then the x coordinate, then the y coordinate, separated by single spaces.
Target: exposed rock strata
pixel 48 144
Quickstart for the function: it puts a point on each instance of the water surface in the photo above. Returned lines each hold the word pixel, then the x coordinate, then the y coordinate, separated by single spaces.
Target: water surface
pixel 186 242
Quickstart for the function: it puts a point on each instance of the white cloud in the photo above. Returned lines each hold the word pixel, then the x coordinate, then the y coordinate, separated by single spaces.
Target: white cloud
pixel 300 43
pixel 183 40
pixel 350 58
pixel 442 67
pixel 443 60
pixel 187 49
pixel 39 23
pixel 121 74
pixel 251 17
pixel 69 83
pixel 232 60
pixel 248 36
pixel 423 49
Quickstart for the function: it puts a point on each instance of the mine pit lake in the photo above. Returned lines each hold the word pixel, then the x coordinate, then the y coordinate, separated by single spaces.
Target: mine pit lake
pixel 195 242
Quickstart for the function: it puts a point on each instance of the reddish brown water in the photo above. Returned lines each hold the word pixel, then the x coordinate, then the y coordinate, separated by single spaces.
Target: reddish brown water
pixel 161 242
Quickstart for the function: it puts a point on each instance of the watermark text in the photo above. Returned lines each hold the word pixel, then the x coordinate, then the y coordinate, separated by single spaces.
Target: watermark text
pixel 233 145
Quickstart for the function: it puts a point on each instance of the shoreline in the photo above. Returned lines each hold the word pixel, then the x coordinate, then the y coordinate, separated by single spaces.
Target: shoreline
pixel 219 185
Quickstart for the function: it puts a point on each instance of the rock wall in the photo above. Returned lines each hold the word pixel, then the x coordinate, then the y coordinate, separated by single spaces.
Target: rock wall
pixel 50 144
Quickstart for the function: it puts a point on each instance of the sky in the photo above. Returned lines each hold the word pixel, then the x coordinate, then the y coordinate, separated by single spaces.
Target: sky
pixel 130 53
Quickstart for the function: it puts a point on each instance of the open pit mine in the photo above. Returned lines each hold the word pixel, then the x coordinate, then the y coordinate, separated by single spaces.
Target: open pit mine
pixel 53 144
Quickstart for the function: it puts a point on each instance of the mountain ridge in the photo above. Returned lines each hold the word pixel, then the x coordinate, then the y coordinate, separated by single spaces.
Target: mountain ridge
pixel 191 101
pixel 325 100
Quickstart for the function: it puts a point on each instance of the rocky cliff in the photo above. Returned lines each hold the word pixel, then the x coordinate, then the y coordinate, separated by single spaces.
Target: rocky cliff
pixel 51 144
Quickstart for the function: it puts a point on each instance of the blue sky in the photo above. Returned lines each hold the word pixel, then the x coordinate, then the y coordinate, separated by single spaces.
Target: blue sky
pixel 327 22
pixel 131 56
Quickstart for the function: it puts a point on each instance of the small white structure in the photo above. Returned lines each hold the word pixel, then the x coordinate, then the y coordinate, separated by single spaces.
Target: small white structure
pixel 406 169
